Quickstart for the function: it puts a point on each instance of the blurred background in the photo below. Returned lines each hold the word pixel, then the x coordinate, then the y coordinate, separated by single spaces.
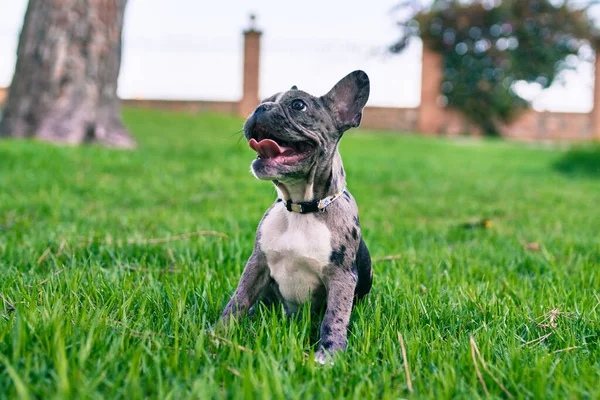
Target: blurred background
pixel 184 50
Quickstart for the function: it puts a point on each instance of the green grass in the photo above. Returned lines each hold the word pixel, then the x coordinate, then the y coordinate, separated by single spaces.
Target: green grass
pixel 102 312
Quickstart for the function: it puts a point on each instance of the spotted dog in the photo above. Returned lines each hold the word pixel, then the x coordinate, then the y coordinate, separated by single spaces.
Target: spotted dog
pixel 308 244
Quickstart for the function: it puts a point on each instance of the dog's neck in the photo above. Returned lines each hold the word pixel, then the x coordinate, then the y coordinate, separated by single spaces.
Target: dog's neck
pixel 327 177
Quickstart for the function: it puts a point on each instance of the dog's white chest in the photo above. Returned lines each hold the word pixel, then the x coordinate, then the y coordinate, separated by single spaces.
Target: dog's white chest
pixel 298 247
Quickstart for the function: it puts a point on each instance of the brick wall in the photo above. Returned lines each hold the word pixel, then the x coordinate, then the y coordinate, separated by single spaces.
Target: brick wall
pixel 534 125
pixel 3 94
pixel 531 125
pixel 390 118
pixel 191 106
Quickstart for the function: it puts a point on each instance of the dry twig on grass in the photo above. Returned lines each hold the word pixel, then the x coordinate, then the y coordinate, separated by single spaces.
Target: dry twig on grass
pixel 477 371
pixel 43 256
pixel 475 350
pixel 406 366
pixel 11 308
pixel 567 349
pixel 60 271
pixel 537 341
pixel 61 248
pixel 530 246
pixel 233 371
pixel 471 297
pixel 549 320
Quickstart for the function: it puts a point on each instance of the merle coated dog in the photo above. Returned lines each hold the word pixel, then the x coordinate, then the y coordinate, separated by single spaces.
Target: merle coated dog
pixel 308 244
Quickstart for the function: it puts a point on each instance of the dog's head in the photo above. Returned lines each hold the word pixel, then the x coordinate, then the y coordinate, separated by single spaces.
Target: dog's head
pixel 293 131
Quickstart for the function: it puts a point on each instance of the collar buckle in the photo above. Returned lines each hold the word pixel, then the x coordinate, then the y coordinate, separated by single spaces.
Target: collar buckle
pixel 294 207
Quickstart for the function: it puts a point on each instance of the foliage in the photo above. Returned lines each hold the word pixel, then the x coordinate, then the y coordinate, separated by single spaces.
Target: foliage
pixel 487 47
pixel 584 160
pixel 101 312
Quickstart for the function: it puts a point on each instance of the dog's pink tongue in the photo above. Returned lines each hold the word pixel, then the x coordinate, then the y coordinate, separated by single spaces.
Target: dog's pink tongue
pixel 266 148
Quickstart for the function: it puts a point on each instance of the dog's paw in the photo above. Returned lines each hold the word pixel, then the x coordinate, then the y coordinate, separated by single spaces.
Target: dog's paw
pixel 323 357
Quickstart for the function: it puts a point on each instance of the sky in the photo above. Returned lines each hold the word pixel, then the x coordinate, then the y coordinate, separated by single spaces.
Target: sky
pixel 188 49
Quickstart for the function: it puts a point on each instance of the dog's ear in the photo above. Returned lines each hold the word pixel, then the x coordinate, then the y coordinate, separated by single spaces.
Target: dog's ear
pixel 347 99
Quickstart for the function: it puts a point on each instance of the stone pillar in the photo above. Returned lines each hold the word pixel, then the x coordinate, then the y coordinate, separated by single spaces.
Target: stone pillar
pixel 595 114
pixel 3 95
pixel 250 98
pixel 431 113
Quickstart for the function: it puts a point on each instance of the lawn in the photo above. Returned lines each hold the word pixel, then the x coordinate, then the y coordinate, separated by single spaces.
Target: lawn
pixel 110 301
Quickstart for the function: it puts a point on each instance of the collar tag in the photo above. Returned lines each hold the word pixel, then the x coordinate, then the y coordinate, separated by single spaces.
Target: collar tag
pixel 296 207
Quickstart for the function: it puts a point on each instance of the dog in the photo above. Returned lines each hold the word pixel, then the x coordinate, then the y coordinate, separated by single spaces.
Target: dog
pixel 308 244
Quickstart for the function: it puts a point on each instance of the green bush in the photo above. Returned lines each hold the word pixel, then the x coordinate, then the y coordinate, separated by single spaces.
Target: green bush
pixel 487 48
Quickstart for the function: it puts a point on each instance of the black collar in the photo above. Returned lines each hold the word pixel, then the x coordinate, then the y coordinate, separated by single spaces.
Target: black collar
pixel 305 207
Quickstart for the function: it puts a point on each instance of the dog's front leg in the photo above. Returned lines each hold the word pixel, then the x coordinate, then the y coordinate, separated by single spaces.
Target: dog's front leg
pixel 340 296
pixel 253 282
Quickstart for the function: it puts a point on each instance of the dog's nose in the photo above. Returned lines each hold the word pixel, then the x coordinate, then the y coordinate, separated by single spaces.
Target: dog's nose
pixel 263 108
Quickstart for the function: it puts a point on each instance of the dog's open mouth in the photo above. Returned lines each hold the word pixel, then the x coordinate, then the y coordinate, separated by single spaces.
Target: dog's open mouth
pixel 282 152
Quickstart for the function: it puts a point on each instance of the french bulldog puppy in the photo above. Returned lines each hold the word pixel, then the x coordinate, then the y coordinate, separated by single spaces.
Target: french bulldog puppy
pixel 308 244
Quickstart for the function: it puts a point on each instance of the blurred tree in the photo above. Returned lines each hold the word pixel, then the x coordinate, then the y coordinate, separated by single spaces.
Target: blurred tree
pixel 65 84
pixel 488 45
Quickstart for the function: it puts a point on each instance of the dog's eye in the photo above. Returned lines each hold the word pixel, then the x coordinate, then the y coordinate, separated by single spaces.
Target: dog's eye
pixel 298 105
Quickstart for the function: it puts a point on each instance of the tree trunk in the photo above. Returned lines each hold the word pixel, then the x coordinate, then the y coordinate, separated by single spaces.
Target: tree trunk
pixel 65 84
